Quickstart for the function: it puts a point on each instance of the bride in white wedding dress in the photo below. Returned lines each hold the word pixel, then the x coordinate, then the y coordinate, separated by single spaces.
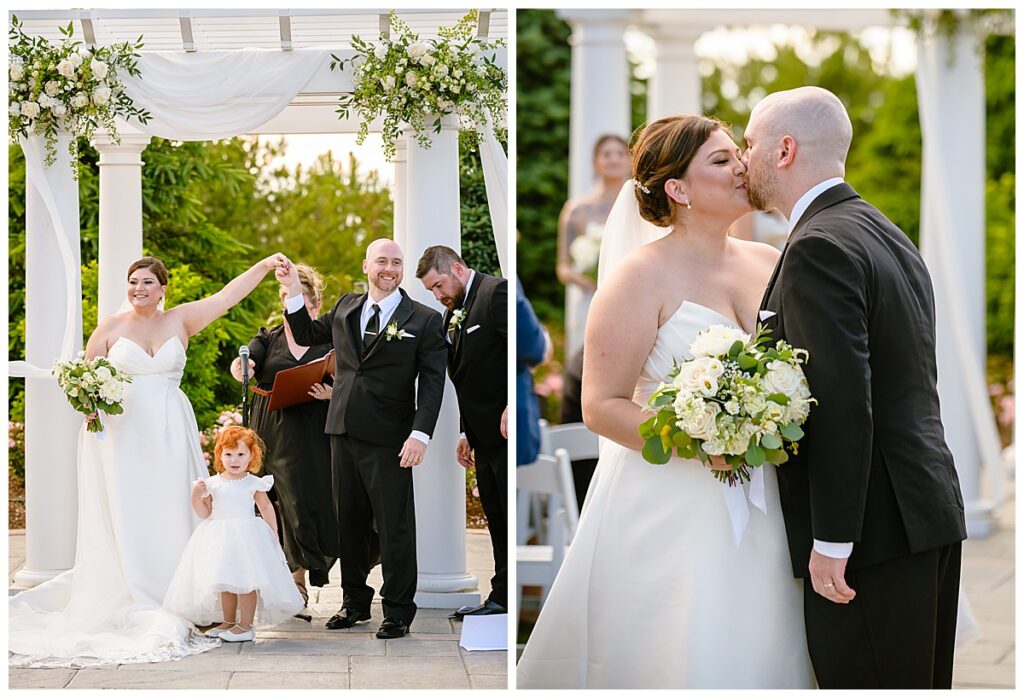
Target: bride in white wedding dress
pixel 134 515
pixel 673 580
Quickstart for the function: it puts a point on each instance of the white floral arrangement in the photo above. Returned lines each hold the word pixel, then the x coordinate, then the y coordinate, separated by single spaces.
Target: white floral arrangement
pixel 392 332
pixel 92 386
pixel 408 81
pixel 737 398
pixel 456 320
pixel 68 87
pixel 586 249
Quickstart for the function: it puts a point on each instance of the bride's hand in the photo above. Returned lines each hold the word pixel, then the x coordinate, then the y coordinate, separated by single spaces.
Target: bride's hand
pixel 718 463
pixel 90 417
pixel 276 261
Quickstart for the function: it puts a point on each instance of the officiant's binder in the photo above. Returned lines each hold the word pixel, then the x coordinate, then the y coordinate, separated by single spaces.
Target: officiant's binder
pixel 291 386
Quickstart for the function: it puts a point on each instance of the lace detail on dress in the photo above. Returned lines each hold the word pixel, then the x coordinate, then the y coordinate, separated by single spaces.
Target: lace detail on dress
pixel 194 643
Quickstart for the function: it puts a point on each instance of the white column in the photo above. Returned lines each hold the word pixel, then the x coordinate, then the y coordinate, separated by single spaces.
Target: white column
pixel 400 192
pixel 951 89
pixel 674 88
pixel 599 100
pixel 439 482
pixel 120 214
pixel 51 426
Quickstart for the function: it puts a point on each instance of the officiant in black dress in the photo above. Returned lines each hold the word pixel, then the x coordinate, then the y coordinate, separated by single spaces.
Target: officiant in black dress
pixel 298 451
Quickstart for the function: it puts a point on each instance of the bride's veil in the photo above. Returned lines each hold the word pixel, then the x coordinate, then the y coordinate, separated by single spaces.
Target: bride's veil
pixel 624 231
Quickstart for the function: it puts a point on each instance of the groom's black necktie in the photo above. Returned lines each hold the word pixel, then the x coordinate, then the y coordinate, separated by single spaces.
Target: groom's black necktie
pixel 372 328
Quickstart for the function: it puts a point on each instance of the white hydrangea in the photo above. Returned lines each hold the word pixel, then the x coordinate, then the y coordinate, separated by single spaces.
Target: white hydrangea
pixel 14 109
pixel 101 95
pixel 716 340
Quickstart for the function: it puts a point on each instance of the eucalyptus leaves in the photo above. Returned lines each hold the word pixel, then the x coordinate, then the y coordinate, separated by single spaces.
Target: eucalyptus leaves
pixel 68 87
pixel 409 81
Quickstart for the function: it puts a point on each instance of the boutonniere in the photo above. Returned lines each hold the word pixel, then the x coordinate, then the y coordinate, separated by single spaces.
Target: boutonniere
pixel 392 332
pixel 456 321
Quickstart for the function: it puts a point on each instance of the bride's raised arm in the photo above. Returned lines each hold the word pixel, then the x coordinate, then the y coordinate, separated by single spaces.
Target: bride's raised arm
pixel 198 314
pixel 622 326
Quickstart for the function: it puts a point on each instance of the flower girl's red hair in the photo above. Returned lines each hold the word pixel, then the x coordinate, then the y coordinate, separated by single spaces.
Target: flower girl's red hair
pixel 229 438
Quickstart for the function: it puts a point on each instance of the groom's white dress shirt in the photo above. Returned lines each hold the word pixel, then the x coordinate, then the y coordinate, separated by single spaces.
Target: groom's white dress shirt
pixel 388 304
pixel 835 550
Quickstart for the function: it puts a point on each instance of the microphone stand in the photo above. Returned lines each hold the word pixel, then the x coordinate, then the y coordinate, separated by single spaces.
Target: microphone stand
pixel 245 387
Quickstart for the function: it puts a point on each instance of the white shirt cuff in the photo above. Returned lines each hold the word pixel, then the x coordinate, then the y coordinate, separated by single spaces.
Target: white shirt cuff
pixel 293 304
pixel 420 436
pixel 835 550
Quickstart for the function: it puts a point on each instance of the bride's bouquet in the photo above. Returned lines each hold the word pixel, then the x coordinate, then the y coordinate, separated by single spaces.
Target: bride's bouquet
pixel 585 250
pixel 92 386
pixel 738 397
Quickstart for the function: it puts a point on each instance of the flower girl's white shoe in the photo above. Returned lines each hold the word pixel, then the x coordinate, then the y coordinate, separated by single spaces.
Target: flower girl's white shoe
pixel 230 635
pixel 216 630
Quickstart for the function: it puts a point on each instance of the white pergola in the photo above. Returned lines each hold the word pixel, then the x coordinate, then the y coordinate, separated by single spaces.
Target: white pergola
pixel 951 92
pixel 426 196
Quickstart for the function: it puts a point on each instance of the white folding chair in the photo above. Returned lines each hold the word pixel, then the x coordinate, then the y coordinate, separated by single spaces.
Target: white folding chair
pixel 529 506
pixel 537 565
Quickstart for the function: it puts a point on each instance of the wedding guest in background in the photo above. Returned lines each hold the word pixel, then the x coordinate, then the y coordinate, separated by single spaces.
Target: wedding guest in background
pixel 298 451
pixel 533 347
pixel 476 321
pixel 580 228
pixel 572 412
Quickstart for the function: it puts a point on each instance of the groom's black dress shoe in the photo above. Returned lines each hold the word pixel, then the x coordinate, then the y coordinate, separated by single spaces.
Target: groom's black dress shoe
pixel 346 618
pixel 391 629
pixel 487 608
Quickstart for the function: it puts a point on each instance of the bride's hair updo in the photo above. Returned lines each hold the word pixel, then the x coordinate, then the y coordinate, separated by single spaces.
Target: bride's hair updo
pixel 151 264
pixel 663 151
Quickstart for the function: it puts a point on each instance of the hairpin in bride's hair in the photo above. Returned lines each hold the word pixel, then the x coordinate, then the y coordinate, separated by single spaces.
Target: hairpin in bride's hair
pixel 640 185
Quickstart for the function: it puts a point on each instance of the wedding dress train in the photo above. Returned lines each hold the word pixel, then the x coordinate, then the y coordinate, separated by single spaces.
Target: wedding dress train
pixel 654 591
pixel 134 519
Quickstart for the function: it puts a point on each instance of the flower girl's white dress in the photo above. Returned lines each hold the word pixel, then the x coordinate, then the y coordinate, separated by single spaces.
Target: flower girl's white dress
pixel 232 550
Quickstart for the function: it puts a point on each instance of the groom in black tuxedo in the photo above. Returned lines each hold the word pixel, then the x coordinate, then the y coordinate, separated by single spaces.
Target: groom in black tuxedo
pixel 872 503
pixel 476 321
pixel 388 386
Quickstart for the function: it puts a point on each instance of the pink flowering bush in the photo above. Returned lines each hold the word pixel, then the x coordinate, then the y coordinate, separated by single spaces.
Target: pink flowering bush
pixel 208 437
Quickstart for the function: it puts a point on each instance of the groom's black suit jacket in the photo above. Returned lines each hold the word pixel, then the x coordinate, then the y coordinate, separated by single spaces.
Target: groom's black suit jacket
pixel 375 398
pixel 873 467
pixel 478 361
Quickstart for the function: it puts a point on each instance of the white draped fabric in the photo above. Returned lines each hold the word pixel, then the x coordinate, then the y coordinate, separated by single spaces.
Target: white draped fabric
pixel 218 94
pixel 58 191
pixel 494 163
pixel 952 241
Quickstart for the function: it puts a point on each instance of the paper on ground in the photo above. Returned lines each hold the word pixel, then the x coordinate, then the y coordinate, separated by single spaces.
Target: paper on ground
pixel 484 632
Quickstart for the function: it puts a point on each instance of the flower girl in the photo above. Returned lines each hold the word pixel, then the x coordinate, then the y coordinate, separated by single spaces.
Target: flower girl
pixel 233 558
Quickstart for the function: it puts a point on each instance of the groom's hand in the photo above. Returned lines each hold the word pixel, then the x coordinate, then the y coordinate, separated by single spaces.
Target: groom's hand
pixel 828 577
pixel 412 452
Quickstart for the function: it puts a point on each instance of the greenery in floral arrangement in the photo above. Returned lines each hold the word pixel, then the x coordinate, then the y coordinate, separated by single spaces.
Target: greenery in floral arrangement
pixel 68 87
pixel 409 81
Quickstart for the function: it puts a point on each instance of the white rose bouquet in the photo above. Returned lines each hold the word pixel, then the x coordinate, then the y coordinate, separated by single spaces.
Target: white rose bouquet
pixel 92 386
pixel 67 87
pixel 586 249
pixel 738 398
pixel 408 81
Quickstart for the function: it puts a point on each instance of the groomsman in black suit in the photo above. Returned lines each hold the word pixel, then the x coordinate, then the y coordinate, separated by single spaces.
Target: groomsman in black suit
pixel 380 421
pixel 872 503
pixel 477 337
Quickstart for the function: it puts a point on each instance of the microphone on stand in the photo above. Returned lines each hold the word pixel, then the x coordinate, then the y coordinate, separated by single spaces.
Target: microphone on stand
pixel 243 353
